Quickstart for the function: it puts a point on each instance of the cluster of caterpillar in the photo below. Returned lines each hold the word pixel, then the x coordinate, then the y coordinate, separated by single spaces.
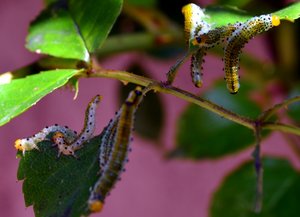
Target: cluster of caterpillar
pixel 113 150
pixel 200 33
pixel 64 138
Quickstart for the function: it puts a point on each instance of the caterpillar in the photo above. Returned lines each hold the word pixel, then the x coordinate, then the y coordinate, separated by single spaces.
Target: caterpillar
pixel 215 36
pixel 196 66
pixel 194 25
pixel 206 41
pixel 89 124
pixel 30 143
pixel 63 146
pixel 237 41
pixel 107 141
pixel 117 140
pixel 66 139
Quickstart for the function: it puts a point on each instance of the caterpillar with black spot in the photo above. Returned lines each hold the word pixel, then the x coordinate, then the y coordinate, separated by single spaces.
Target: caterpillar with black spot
pixel 69 148
pixel 30 143
pixel 117 138
pixel 66 139
pixel 107 141
pixel 237 41
pixel 194 25
pixel 89 124
pixel 206 41
pixel 199 33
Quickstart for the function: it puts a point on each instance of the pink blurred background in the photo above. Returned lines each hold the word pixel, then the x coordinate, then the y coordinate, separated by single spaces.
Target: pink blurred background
pixel 152 185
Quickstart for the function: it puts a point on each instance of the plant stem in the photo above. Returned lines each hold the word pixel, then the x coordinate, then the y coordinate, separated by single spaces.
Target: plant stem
pixel 281 127
pixel 258 169
pixel 270 112
pixel 160 87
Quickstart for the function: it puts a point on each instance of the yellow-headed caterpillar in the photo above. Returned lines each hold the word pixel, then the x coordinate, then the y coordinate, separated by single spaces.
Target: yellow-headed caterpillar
pixel 119 138
pixel 30 143
pixel 194 25
pixel 206 41
pixel 237 41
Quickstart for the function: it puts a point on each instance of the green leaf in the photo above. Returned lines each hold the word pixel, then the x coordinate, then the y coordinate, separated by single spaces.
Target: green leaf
pixel 223 15
pixel 55 33
pixel 291 12
pixel 142 3
pixel 239 4
pixel 202 134
pixel 94 19
pixel 57 186
pixel 235 196
pixel 20 94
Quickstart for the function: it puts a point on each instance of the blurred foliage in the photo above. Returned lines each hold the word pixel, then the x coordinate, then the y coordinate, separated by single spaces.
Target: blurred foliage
pixel 202 134
pixel 235 196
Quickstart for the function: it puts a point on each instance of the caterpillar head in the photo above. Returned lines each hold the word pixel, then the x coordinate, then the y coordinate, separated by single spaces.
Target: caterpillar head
pixel 57 136
pixel 95 206
pixel 64 148
pixel 275 20
pixel 194 23
pixel 19 145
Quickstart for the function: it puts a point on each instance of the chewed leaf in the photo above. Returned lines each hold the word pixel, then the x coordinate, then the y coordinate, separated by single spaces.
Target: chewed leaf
pixel 56 187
